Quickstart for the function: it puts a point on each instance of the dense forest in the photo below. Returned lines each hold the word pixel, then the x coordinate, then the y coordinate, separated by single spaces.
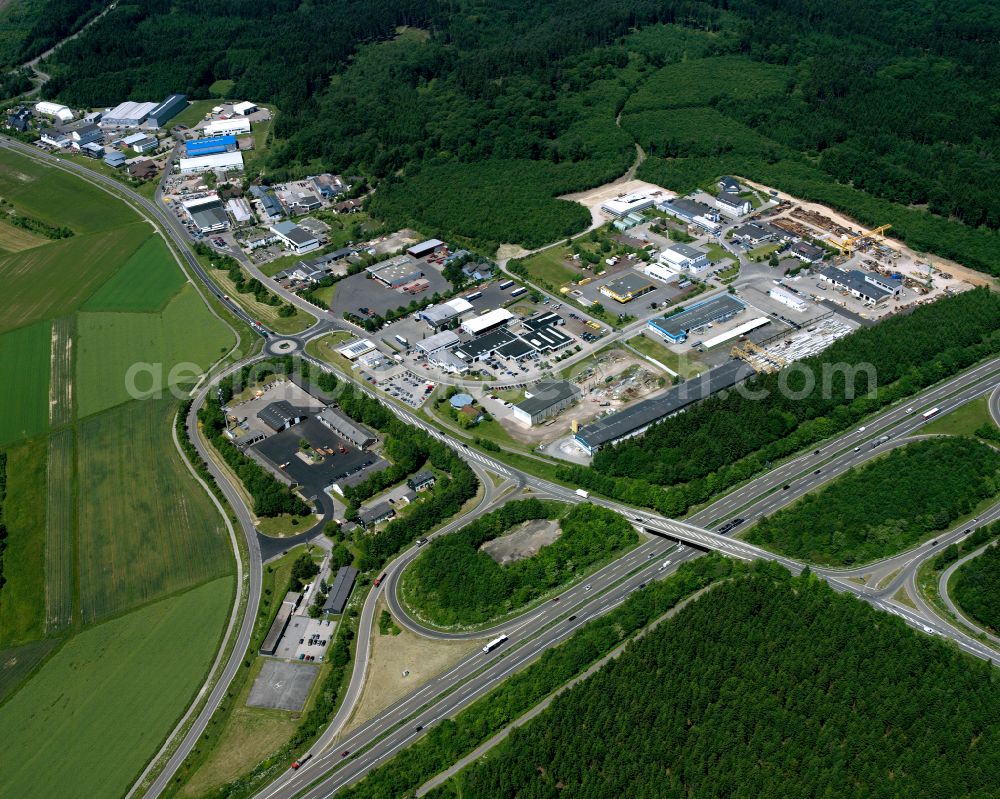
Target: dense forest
pixel 477 113
pixel 975 587
pixel 767 686
pixel 730 437
pixel 883 507
pixel 455 582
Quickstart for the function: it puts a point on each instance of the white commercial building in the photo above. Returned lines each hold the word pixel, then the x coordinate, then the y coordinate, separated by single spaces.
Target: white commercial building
pixel 224 127
pixel 629 204
pixel 239 210
pixel 785 298
pixel 228 162
pixel 356 349
pixel 661 272
pixel 127 114
pixel 244 108
pixel 55 110
pixel 295 238
pixel 683 256
pixel 741 330
pixel 432 345
pixel 486 322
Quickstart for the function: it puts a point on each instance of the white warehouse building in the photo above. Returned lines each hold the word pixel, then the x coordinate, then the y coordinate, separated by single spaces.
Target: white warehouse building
pixel 206 163
pixel 55 110
pixel 227 127
pixel 785 298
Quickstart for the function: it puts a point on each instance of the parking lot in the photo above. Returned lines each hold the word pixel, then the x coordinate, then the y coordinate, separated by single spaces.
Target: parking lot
pixel 360 291
pixel 305 639
pixel 282 686
pixel 282 450
pixel 407 387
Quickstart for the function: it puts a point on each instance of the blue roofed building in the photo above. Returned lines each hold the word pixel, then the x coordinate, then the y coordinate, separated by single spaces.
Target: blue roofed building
pixel 210 146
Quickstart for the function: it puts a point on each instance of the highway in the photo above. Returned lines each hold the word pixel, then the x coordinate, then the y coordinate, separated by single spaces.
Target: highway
pixel 546 625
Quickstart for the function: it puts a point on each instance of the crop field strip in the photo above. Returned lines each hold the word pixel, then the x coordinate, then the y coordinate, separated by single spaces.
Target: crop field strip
pixel 60 524
pixel 22 612
pixel 61 364
pixel 15 239
pixel 111 343
pixel 55 279
pixel 17 662
pixel 24 358
pixel 100 707
pixel 146 282
pixel 145 530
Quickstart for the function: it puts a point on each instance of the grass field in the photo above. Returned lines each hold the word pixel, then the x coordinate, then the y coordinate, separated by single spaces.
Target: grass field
pixel 716 252
pixel 24 358
pixel 56 279
pixel 102 705
pixel 112 343
pixel 266 314
pixel 145 282
pixel 685 366
pixel 221 87
pixel 194 113
pixel 61 368
pixel 60 528
pixel 145 528
pixel 22 611
pixel 59 198
pixel 325 348
pixel 17 662
pixel 15 239
pixel 549 266
pixel 963 421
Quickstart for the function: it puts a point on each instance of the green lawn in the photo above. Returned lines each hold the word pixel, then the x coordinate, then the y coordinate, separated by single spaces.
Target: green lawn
pixel 221 88
pixel 99 709
pixel 24 357
pixel 59 198
pixel 685 366
pixel 145 528
pixel 110 344
pixel 55 279
pixel 764 250
pixel 194 113
pixel 716 252
pixel 325 348
pixel 17 662
pixel 963 421
pixel 266 314
pixel 325 294
pixel 145 282
pixel 22 610
pixel 549 266
pixel 60 531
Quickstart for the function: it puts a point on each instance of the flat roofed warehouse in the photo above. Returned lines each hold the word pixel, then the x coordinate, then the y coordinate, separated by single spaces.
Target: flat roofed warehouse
pixel 487 322
pixel 210 146
pixel 483 347
pixel 439 341
pixel 341 589
pixel 127 114
pixel 441 314
pixel 425 248
pixel 280 415
pixel 677 327
pixel 544 400
pixel 396 272
pixel 636 419
pixel 627 288
pixel 207 163
pixel 356 349
pixel 167 110
pixel 280 623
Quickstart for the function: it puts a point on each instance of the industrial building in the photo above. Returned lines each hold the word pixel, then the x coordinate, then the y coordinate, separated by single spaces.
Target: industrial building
pixel 140 142
pixel 239 210
pixel 127 115
pixel 269 203
pixel 543 333
pixel 344 426
pixel 481 348
pixel 356 349
pixel 295 238
pixel 489 321
pixel 684 256
pixel 288 606
pixel 207 213
pixel 210 146
pixel 867 286
pixel 58 112
pixel 227 162
pixel 223 127
pixel 437 316
pixel 751 234
pixel 692 212
pixel 661 272
pixel 369 517
pixel 636 419
pixel 676 328
pixel 167 110
pixel 732 204
pixel 397 271
pixel 341 589
pixel 544 400
pixel 736 332
pixel 425 248
pixel 449 362
pixel 629 204
pixel 786 298
pixel 115 159
pixel 245 108
pixel 804 251
pixel 627 288
pixel 280 415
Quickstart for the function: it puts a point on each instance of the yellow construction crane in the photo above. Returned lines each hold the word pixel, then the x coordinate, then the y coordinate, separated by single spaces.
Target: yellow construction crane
pixel 847 246
pixel 759 358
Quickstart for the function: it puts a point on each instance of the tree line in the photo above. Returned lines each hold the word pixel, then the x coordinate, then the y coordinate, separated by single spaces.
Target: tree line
pixel 975 587
pixel 884 506
pixel 767 686
pixel 724 440
pixel 454 581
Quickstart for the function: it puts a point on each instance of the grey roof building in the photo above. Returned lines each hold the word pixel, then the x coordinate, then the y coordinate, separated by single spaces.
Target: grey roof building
pixel 167 110
pixel 677 327
pixel 376 514
pixel 209 216
pixel 421 480
pixel 280 623
pixel 807 252
pixel 341 589
pixel 269 202
pixel 636 419
pixel 868 286
pixel 349 430
pixel 544 400
pixel 280 415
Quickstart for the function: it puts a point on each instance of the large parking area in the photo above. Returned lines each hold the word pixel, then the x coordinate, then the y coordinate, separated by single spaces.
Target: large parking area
pixel 406 387
pixel 284 452
pixel 360 291
pixel 305 639
pixel 282 686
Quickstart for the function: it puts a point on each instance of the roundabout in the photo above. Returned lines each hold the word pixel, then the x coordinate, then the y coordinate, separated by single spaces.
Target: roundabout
pixel 284 346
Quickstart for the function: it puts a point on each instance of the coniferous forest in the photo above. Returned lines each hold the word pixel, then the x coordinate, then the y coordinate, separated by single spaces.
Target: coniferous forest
pixel 472 116
pixel 767 687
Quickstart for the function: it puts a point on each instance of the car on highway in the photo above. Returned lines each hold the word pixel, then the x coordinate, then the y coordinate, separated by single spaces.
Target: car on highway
pixel 587 587
pixel 785 487
pixel 817 471
pixel 555 599
pixel 421 542
pixel 345 753
pixel 909 410
pixel 420 727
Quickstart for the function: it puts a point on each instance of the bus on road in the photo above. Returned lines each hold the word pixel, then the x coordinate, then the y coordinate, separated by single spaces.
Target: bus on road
pixel 494 643
pixel 930 413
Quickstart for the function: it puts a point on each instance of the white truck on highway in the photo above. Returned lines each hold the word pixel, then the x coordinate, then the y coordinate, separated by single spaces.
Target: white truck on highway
pixel 581 493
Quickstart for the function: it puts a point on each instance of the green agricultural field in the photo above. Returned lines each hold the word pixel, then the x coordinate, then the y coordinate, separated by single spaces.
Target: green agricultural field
pixel 17 662
pixel 110 344
pixel 549 267
pixel 145 282
pixel 57 278
pixel 22 610
pixel 61 380
pixel 266 314
pixel 59 198
pixel 100 708
pixel 15 239
pixel 146 529
pixel 24 355
pixel 60 526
